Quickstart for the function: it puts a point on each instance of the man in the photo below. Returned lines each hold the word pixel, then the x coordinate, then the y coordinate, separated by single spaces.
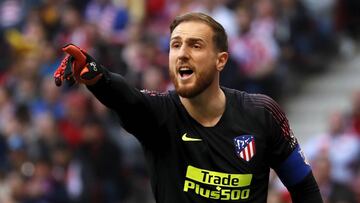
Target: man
pixel 202 142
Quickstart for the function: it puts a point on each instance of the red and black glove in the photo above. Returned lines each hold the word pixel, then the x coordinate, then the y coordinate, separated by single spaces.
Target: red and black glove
pixel 78 66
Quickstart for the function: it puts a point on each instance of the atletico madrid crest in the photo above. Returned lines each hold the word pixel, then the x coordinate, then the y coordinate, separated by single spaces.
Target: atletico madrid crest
pixel 245 146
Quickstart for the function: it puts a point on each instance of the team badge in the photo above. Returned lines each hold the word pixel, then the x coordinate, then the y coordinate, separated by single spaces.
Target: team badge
pixel 245 146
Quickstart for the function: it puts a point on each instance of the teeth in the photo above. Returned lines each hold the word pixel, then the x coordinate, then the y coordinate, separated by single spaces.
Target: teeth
pixel 184 68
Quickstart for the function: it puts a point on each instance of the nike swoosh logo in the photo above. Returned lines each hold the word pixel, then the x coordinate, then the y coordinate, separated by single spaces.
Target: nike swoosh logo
pixel 185 138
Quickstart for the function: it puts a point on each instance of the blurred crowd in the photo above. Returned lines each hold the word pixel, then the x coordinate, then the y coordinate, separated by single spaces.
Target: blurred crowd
pixel 334 157
pixel 61 145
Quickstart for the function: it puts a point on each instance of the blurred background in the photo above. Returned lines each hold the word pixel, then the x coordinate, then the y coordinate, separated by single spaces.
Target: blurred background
pixel 60 145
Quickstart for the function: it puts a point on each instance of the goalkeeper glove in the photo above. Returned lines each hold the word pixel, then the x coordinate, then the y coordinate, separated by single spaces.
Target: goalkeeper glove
pixel 78 66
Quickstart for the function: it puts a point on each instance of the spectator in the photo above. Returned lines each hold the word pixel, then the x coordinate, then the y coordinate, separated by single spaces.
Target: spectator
pixel 75 115
pixel 222 14
pixel 47 137
pixel 293 32
pixel 74 30
pixel 153 79
pixel 12 13
pixel 110 19
pixel 256 56
pixel 355 114
pixel 48 101
pixel 99 163
pixel 356 185
pixel 331 143
pixel 42 187
pixel 331 191
pixel 6 107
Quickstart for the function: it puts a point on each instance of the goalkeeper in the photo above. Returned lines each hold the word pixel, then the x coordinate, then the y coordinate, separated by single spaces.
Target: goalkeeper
pixel 202 142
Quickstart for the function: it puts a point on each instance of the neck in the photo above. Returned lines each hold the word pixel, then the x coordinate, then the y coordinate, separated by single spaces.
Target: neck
pixel 207 107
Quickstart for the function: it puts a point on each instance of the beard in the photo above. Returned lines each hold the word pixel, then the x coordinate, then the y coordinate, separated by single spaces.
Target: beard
pixel 202 82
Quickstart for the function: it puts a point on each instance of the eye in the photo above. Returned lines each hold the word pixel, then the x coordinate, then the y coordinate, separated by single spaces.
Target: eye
pixel 175 45
pixel 196 46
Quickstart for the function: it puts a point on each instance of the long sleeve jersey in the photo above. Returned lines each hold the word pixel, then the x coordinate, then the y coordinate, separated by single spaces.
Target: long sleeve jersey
pixel 228 162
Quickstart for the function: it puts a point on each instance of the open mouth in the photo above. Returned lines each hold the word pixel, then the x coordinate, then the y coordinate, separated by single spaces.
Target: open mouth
pixel 185 72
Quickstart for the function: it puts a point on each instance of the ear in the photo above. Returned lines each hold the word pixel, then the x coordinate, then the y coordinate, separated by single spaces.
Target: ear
pixel 222 58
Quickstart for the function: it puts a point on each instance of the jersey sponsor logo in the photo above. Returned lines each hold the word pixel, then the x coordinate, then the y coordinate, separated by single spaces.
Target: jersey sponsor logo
pixel 185 138
pixel 217 185
pixel 245 147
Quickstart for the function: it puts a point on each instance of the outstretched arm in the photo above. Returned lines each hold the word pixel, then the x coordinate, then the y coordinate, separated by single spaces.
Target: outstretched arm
pixel 136 109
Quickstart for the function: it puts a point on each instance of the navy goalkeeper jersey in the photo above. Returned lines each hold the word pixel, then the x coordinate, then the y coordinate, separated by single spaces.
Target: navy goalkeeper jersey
pixel 188 162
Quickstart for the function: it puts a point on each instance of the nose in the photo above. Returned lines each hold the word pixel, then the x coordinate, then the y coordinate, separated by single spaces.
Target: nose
pixel 183 53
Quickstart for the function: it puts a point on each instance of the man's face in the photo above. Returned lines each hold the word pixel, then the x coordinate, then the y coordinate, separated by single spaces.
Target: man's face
pixel 193 60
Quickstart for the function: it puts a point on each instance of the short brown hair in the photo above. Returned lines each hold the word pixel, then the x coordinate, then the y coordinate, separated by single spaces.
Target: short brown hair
pixel 220 37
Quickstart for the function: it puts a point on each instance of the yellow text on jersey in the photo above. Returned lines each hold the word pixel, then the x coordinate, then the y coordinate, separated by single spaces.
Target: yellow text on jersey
pixel 217 185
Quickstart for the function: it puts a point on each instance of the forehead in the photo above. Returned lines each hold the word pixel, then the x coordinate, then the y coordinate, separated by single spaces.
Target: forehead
pixel 193 29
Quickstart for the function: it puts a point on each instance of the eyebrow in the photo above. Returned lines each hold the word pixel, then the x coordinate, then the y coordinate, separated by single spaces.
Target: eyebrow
pixel 191 40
